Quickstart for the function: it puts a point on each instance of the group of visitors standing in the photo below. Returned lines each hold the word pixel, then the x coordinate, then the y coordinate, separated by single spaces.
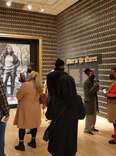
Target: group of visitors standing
pixel 61 89
pixel 91 88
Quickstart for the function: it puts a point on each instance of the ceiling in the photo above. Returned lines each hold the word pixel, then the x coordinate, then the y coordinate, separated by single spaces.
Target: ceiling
pixel 50 6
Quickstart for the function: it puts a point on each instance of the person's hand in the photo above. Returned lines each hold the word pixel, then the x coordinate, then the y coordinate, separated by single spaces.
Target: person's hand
pixel 5 119
pixel 100 83
pixel 97 82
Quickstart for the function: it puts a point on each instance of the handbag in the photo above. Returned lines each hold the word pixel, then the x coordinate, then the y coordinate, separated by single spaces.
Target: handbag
pixel 43 99
pixel 78 113
pixel 48 131
pixel 51 127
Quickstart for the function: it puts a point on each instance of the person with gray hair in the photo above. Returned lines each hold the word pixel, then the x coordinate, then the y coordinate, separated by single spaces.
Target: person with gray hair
pixel 28 115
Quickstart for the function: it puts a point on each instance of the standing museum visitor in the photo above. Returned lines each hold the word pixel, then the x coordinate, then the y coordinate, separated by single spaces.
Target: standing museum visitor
pixel 61 93
pixel 4 115
pixel 28 115
pixel 91 87
pixel 111 104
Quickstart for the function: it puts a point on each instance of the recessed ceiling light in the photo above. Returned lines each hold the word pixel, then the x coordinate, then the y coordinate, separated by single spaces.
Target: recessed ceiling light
pixel 29 7
pixel 42 10
pixel 8 3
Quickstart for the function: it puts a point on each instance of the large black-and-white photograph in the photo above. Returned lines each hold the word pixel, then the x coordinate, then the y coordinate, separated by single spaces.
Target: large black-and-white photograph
pixel 14 59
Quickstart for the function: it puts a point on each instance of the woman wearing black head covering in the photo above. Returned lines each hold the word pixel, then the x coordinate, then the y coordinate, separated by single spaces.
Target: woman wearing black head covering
pixel 61 92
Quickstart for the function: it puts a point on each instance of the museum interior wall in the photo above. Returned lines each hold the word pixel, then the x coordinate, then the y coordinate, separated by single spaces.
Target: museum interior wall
pixel 89 28
pixel 85 29
pixel 35 24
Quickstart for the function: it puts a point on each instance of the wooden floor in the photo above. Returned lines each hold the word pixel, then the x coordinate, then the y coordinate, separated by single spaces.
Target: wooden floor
pixel 96 145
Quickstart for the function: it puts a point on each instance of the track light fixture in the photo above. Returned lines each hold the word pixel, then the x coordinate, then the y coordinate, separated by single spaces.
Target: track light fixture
pixel 29 6
pixel 42 10
pixel 8 3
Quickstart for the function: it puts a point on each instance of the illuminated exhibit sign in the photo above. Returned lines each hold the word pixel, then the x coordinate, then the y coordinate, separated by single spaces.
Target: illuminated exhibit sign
pixel 84 59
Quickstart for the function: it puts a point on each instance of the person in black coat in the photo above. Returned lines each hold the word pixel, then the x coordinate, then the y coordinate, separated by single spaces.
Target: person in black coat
pixel 61 92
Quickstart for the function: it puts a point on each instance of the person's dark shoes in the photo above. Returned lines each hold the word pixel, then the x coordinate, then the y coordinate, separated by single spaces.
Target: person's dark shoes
pixel 95 130
pixel 32 143
pixel 20 147
pixel 89 132
pixel 112 141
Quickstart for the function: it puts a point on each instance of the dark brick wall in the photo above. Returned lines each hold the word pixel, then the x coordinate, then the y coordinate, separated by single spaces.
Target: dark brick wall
pixel 87 28
pixel 30 23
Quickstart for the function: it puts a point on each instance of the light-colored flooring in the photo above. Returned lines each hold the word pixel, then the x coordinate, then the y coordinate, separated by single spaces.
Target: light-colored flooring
pixel 96 145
